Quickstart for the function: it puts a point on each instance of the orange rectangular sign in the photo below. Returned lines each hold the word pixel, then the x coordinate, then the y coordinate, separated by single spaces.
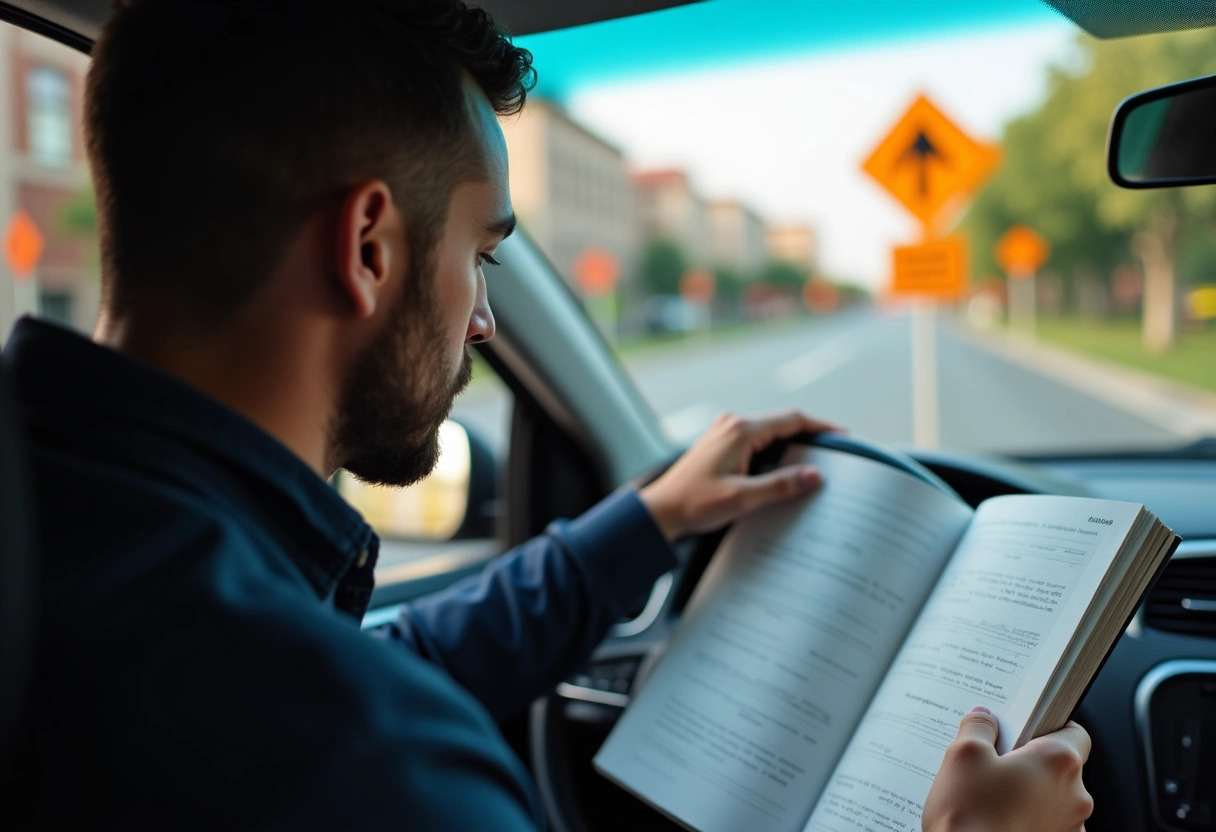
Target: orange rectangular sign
pixel 937 269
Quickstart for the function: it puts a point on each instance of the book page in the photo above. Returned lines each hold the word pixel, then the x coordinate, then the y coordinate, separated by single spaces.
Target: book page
pixel 991 634
pixel 781 647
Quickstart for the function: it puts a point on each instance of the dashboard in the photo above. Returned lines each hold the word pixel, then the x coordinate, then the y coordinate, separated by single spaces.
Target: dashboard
pixel 1151 711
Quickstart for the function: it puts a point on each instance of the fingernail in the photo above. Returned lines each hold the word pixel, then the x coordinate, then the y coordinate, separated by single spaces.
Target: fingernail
pixel 980 709
pixel 810 477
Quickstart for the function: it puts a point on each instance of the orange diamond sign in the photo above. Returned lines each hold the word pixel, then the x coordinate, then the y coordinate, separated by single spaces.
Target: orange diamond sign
pixel 926 161
pixel 23 245
pixel 1021 252
pixel 596 271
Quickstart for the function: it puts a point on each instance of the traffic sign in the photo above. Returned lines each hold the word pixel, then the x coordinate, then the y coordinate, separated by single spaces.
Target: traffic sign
pixel 596 271
pixel 1022 252
pixel 819 296
pixel 697 285
pixel 1201 303
pixel 927 162
pixel 937 269
pixel 23 245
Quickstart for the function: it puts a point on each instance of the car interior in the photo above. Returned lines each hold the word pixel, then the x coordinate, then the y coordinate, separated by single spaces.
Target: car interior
pixel 577 429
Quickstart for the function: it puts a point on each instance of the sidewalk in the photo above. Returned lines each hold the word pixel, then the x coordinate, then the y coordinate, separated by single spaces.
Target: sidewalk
pixel 1179 408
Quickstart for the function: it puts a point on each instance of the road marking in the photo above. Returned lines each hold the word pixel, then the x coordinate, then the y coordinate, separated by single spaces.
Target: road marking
pixel 688 423
pixel 801 371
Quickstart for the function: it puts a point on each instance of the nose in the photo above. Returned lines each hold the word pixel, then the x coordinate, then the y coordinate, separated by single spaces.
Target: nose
pixel 481 322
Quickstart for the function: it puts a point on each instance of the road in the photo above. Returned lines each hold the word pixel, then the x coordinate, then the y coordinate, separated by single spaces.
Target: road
pixel 856 370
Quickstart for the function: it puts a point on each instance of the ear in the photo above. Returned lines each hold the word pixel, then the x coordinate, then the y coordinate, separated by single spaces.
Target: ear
pixel 370 244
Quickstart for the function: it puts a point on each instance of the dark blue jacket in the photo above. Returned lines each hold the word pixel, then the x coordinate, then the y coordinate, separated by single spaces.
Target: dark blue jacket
pixel 200 659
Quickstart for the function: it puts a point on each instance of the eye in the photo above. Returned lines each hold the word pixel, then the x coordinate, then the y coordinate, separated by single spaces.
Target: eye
pixel 485 258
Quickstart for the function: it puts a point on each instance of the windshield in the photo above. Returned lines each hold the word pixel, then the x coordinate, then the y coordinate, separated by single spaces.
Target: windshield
pixel 892 215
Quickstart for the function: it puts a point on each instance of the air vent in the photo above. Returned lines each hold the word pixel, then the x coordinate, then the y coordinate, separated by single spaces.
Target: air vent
pixel 1184 599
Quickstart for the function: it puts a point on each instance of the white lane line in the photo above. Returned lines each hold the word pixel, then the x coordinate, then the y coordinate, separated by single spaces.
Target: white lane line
pixel 688 423
pixel 801 371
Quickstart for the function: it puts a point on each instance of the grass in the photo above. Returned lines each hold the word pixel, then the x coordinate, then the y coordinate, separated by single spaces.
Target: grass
pixel 1191 361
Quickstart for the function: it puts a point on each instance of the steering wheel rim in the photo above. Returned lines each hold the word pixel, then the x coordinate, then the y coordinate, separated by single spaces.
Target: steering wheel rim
pixel 548 724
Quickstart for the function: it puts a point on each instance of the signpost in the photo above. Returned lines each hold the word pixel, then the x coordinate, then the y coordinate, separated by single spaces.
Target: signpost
pixel 931 166
pixel 937 269
pixel 596 272
pixel 1021 252
pixel 697 288
pixel 23 245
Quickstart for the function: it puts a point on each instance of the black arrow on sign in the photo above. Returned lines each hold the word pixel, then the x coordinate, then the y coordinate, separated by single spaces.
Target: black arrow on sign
pixel 920 151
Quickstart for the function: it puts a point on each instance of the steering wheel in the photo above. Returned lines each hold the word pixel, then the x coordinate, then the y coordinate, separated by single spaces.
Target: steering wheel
pixel 567 727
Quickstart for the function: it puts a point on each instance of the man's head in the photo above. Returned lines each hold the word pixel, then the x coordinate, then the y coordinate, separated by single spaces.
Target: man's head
pixel 222 131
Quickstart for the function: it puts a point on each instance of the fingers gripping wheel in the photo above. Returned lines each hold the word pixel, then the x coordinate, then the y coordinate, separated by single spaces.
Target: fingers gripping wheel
pixel 771 456
pixel 568 726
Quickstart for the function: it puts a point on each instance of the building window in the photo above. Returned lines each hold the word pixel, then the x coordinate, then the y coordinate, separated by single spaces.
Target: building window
pixel 49 122
pixel 55 306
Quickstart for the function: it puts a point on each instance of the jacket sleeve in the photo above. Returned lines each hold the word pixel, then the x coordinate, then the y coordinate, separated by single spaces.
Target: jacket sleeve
pixel 535 614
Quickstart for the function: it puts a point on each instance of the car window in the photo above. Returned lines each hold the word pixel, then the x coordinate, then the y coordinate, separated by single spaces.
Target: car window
pixel 436 509
pixel 51 269
pixel 726 186
pixel 47 222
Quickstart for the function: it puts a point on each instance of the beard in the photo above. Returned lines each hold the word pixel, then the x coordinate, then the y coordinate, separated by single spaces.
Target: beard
pixel 398 393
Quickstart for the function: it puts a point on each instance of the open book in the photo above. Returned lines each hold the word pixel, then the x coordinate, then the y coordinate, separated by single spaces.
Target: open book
pixel 834 643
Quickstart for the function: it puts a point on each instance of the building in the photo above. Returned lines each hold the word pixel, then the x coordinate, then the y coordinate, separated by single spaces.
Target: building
pixel 571 191
pixel 737 238
pixel 670 209
pixel 44 176
pixel 794 244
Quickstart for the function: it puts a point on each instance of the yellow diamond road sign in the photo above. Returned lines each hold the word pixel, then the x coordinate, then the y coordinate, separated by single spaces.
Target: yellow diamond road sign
pixel 926 161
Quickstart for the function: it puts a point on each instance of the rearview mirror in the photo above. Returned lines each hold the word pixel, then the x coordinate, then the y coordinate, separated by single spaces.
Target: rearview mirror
pixel 1165 137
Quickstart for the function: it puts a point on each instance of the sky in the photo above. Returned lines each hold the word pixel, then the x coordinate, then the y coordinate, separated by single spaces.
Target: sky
pixel 788 135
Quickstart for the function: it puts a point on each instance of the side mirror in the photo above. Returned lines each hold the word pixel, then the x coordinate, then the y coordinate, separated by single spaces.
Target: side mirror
pixel 1165 137
pixel 458 500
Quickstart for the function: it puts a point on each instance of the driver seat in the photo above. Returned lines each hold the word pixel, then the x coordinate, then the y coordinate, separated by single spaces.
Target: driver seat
pixel 18 596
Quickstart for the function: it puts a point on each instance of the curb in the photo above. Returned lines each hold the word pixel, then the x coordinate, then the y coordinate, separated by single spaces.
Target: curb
pixel 1172 405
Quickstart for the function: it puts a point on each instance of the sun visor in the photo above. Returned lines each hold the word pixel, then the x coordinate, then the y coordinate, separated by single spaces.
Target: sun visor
pixel 1119 18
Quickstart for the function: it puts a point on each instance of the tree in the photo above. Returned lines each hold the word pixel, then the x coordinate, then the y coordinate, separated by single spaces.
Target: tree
pixel 730 283
pixel 783 275
pixel 79 214
pixel 663 264
pixel 1054 178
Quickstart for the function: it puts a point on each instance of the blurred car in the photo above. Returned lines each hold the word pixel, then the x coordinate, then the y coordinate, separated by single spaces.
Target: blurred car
pixel 671 313
pixel 571 426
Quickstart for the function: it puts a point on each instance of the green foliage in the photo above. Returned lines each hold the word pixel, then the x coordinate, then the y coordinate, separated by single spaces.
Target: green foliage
pixel 851 293
pixel 783 275
pixel 1054 177
pixel 1197 263
pixel 730 283
pixel 79 215
pixel 663 264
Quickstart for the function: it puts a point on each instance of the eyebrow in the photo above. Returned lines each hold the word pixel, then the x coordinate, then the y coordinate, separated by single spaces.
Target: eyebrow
pixel 502 227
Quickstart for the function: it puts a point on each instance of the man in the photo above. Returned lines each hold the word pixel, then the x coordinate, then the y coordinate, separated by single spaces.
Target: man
pixel 296 200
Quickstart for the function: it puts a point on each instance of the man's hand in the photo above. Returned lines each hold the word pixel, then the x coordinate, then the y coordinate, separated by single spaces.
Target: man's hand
pixel 1035 787
pixel 709 486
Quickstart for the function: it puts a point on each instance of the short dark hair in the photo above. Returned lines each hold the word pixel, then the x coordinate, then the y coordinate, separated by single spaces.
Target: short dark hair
pixel 216 127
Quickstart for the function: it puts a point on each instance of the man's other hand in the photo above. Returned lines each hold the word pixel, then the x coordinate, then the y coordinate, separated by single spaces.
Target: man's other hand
pixel 709 486
pixel 1037 786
